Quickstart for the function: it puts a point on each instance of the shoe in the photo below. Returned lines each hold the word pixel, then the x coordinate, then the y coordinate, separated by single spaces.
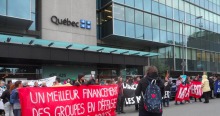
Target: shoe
pixel 200 100
pixel 176 104
pixel 119 112
pixel 205 102
pixel 123 112
pixel 181 103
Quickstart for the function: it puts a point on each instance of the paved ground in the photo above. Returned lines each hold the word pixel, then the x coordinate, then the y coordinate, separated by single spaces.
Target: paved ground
pixel 193 109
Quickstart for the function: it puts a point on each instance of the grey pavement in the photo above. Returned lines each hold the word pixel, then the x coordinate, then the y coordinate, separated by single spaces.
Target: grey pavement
pixel 190 109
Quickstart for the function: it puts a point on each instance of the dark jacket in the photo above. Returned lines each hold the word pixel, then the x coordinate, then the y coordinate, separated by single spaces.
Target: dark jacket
pixel 5 96
pixel 167 85
pixel 142 87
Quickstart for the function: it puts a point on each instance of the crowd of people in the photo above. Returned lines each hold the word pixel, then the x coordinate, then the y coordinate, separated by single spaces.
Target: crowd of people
pixel 12 106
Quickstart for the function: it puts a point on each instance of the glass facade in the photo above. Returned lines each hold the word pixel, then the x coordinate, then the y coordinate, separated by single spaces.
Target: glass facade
pixel 173 22
pixel 25 9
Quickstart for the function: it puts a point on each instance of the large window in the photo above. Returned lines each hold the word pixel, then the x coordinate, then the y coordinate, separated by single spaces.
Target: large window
pixel 119 12
pixel 155 21
pixel 3 7
pixel 163 23
pixel 139 29
pixel 16 8
pixel 20 9
pixel 139 4
pixel 163 36
pixel 147 19
pixel 139 17
pixel 148 33
pixel 33 15
pixel 155 7
pixel 169 12
pixel 162 10
pixel 147 5
pixel 129 2
pixel 130 30
pixel 119 1
pixel 119 27
pixel 129 15
pixel 156 35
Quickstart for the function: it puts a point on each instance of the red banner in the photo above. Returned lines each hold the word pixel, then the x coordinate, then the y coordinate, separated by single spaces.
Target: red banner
pixel 182 93
pixel 69 101
pixel 190 90
pixel 196 89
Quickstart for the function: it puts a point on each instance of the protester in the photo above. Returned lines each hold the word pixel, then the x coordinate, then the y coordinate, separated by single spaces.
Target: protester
pixel 44 84
pixel 167 88
pixel 36 84
pixel 25 84
pixel 211 84
pixel 81 80
pixel 217 93
pixel 178 82
pixel 67 81
pixel 14 99
pixel 197 80
pixel 6 101
pixel 121 98
pixel 188 82
pixel 97 82
pixel 136 81
pixel 57 82
pixel 150 74
pixel 205 88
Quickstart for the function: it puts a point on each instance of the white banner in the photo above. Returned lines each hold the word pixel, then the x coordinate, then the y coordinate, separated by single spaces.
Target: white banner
pixel 49 81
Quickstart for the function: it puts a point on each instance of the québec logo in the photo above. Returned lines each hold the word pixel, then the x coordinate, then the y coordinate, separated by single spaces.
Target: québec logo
pixel 85 24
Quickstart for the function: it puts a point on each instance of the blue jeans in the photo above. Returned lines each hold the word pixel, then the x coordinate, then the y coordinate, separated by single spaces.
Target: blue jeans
pixel 17 112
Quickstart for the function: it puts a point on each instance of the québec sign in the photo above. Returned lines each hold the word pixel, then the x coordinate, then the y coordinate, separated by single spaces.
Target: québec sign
pixel 82 23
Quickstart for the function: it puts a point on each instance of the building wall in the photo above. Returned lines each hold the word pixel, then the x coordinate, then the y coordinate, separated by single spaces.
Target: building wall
pixel 74 10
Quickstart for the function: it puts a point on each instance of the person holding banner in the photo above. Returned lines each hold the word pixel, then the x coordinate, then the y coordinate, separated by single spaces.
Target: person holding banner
pixel 197 80
pixel 217 88
pixel 14 99
pixel 205 88
pixel 121 98
pixel 178 83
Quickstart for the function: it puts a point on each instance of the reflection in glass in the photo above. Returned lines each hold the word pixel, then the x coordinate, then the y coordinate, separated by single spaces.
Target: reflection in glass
pixel 119 1
pixel 139 31
pixel 147 19
pixel 3 7
pixel 129 2
pixel 155 21
pixel 170 37
pixel 147 5
pixel 130 30
pixel 118 12
pixel 170 12
pixel 139 17
pixel 119 27
pixel 162 10
pixel 148 33
pixel 139 4
pixel 163 36
pixel 155 7
pixel 163 23
pixel 19 9
pixel 156 35
pixel 129 14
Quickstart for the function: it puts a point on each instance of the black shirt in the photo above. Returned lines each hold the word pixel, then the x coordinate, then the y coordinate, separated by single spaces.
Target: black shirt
pixel 5 96
pixel 142 85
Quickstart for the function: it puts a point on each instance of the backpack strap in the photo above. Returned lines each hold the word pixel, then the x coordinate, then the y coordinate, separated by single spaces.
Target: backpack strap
pixel 154 81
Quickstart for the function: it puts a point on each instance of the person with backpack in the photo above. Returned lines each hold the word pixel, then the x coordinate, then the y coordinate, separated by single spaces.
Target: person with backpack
pixel 6 101
pixel 14 99
pixel 150 88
